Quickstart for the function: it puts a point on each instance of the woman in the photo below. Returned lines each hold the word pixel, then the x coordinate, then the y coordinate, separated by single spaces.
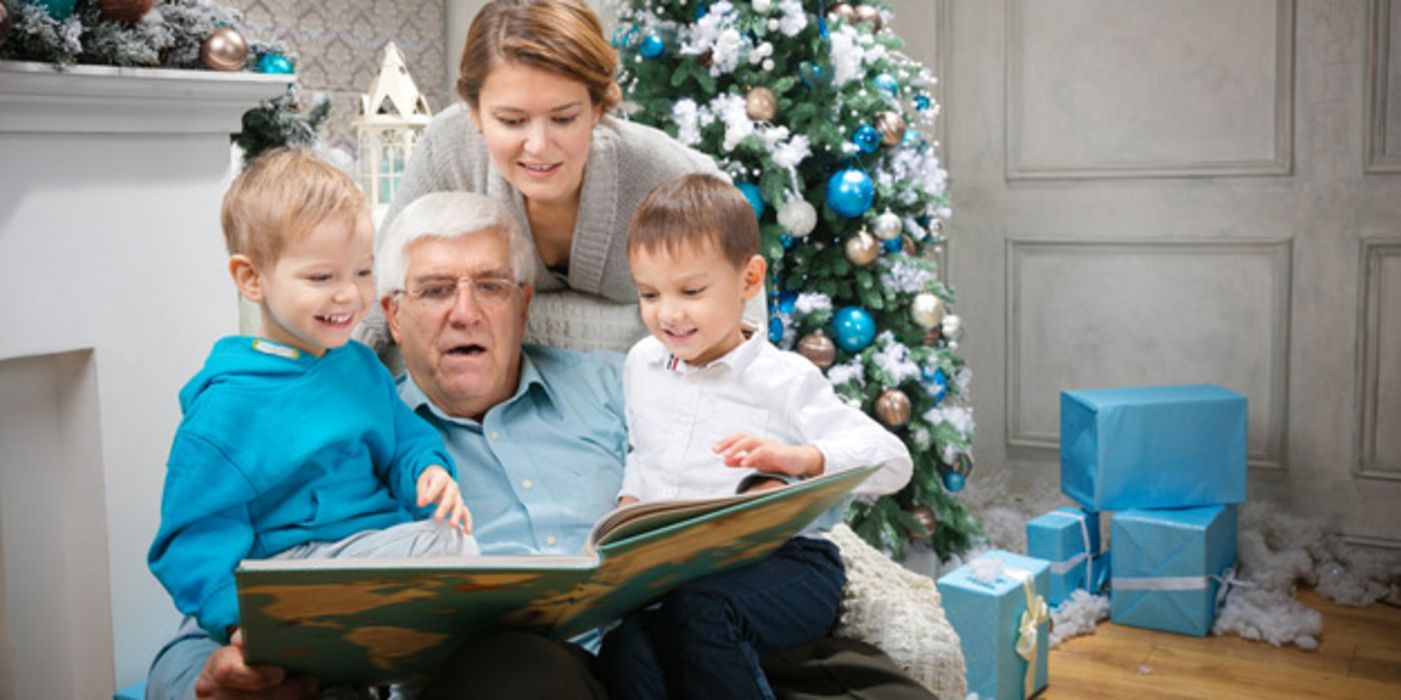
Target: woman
pixel 533 130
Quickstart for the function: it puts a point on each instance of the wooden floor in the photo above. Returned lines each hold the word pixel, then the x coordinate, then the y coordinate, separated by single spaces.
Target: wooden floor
pixel 1359 657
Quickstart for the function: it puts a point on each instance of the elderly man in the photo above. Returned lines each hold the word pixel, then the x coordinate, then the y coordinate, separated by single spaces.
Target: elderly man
pixel 539 436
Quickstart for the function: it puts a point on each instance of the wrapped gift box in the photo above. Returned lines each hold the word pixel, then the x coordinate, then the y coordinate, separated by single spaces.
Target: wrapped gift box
pixel 988 616
pixel 1068 538
pixel 1169 565
pixel 1152 447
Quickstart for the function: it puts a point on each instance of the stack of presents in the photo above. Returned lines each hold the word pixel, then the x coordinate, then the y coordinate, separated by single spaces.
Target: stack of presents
pixel 1169 462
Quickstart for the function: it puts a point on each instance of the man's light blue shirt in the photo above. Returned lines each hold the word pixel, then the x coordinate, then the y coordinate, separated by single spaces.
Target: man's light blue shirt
pixel 542 466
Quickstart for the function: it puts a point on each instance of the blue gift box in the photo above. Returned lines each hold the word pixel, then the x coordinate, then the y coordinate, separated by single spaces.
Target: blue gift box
pixel 1152 447
pixel 1068 538
pixel 1169 565
pixel 988 619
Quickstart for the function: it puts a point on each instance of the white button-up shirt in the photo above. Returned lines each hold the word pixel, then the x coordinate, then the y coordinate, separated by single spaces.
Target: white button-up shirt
pixel 676 413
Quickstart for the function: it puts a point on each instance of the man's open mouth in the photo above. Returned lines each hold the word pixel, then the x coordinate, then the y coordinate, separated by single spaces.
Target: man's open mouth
pixel 468 350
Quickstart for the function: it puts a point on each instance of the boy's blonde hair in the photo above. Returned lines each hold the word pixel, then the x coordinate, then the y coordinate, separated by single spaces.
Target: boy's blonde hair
pixel 694 210
pixel 280 197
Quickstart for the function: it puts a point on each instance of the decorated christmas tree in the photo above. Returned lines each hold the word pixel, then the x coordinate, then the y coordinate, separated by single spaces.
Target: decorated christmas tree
pixel 817 116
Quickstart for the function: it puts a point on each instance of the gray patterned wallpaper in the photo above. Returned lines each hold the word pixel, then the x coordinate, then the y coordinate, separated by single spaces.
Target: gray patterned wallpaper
pixel 340 43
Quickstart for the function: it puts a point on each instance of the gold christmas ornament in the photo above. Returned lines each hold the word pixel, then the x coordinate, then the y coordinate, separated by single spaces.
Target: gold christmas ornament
pixel 224 49
pixel 868 13
pixel 925 516
pixel 862 249
pixel 909 247
pixel 891 127
pixel 127 11
pixel 819 349
pixel 927 310
pixel 893 408
pixel 4 23
pixel 845 11
pixel 760 104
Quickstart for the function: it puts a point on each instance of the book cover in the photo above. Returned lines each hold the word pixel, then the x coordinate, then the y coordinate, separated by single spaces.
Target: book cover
pixel 379 620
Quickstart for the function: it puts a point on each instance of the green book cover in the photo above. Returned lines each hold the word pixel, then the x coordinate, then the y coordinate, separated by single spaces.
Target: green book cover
pixel 378 620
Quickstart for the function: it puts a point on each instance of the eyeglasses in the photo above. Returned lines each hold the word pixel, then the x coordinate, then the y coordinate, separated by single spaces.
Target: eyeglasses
pixel 438 293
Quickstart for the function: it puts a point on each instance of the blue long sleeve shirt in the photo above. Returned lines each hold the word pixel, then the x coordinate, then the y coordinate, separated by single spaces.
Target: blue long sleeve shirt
pixel 278 448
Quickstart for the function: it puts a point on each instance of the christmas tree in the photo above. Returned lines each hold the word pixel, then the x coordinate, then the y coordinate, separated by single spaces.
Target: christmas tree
pixel 813 111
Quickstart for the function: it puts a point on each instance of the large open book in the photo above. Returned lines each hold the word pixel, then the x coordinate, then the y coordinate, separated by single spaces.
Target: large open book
pixel 372 620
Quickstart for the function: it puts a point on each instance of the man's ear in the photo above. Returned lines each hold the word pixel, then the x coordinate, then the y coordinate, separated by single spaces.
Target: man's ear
pixel 527 293
pixel 246 278
pixel 754 276
pixel 389 304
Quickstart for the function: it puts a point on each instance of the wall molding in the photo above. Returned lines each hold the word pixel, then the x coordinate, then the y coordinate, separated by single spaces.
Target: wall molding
pixel 1374 146
pixel 1366 465
pixel 1278 250
pixel 1280 163
pixel 1387 543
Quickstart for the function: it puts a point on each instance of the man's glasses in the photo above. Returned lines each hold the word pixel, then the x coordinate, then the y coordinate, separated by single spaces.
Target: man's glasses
pixel 487 291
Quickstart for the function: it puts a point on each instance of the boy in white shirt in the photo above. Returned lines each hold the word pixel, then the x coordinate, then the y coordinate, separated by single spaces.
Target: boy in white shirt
pixel 712 409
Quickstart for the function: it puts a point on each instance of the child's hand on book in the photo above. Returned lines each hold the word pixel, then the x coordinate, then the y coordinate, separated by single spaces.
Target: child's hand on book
pixel 744 450
pixel 435 485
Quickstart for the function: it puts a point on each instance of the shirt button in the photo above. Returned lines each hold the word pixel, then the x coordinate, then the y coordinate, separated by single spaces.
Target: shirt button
pixel 527 484
pixel 495 435
pixel 550 540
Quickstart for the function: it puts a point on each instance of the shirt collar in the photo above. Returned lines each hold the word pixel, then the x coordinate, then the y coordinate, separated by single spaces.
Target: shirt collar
pixel 530 377
pixel 737 359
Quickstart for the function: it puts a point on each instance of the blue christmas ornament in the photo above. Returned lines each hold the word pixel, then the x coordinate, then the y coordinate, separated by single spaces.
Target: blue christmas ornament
pixel 57 9
pixel 866 138
pixel 853 328
pixel 822 27
pixel 913 139
pixel 786 302
pixel 922 102
pixel 893 245
pixel 850 192
pixel 756 200
pixel 652 46
pixel 814 76
pixel 786 241
pixel 953 482
pixel 775 330
pixel 935 384
pixel 888 84
pixel 274 63
pixel 701 10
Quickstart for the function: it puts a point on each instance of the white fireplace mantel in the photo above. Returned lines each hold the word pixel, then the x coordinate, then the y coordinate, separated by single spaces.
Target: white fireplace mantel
pixel 39 98
pixel 113 287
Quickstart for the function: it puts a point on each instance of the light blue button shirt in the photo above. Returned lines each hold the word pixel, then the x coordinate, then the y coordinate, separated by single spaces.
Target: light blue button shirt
pixel 541 467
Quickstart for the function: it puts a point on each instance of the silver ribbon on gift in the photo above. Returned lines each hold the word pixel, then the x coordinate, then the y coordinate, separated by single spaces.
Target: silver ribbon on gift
pixel 1227 579
pixel 1065 565
pixel 1036 614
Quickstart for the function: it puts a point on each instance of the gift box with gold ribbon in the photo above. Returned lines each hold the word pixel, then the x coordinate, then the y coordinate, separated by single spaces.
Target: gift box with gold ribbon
pixel 997 605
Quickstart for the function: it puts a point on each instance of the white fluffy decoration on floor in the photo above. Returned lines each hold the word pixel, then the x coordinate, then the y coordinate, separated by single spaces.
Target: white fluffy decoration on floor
pixel 1077 616
pixel 1277 552
pixel 900 612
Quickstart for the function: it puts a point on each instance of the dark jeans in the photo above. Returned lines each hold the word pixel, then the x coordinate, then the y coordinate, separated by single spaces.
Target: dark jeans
pixel 707 637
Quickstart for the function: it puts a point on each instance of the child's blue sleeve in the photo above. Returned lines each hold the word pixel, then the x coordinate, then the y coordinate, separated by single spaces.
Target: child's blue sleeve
pixel 205 532
pixel 416 447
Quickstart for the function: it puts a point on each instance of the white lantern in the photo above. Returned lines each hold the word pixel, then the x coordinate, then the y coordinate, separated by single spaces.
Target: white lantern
pixel 392 116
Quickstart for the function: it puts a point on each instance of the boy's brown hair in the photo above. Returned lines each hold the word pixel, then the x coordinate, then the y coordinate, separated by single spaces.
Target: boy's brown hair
pixel 696 209
pixel 280 197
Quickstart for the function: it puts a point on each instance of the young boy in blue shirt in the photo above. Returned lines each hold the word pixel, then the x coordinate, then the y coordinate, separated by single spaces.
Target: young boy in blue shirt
pixel 711 408
pixel 294 442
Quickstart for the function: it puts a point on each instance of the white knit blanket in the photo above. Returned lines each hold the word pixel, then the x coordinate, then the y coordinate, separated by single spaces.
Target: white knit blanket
pixel 900 612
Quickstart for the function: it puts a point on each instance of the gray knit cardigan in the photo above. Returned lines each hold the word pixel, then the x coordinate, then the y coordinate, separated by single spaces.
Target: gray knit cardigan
pixel 626 160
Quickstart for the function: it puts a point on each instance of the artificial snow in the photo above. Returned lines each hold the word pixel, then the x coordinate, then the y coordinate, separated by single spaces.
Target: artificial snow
pixel 1077 616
